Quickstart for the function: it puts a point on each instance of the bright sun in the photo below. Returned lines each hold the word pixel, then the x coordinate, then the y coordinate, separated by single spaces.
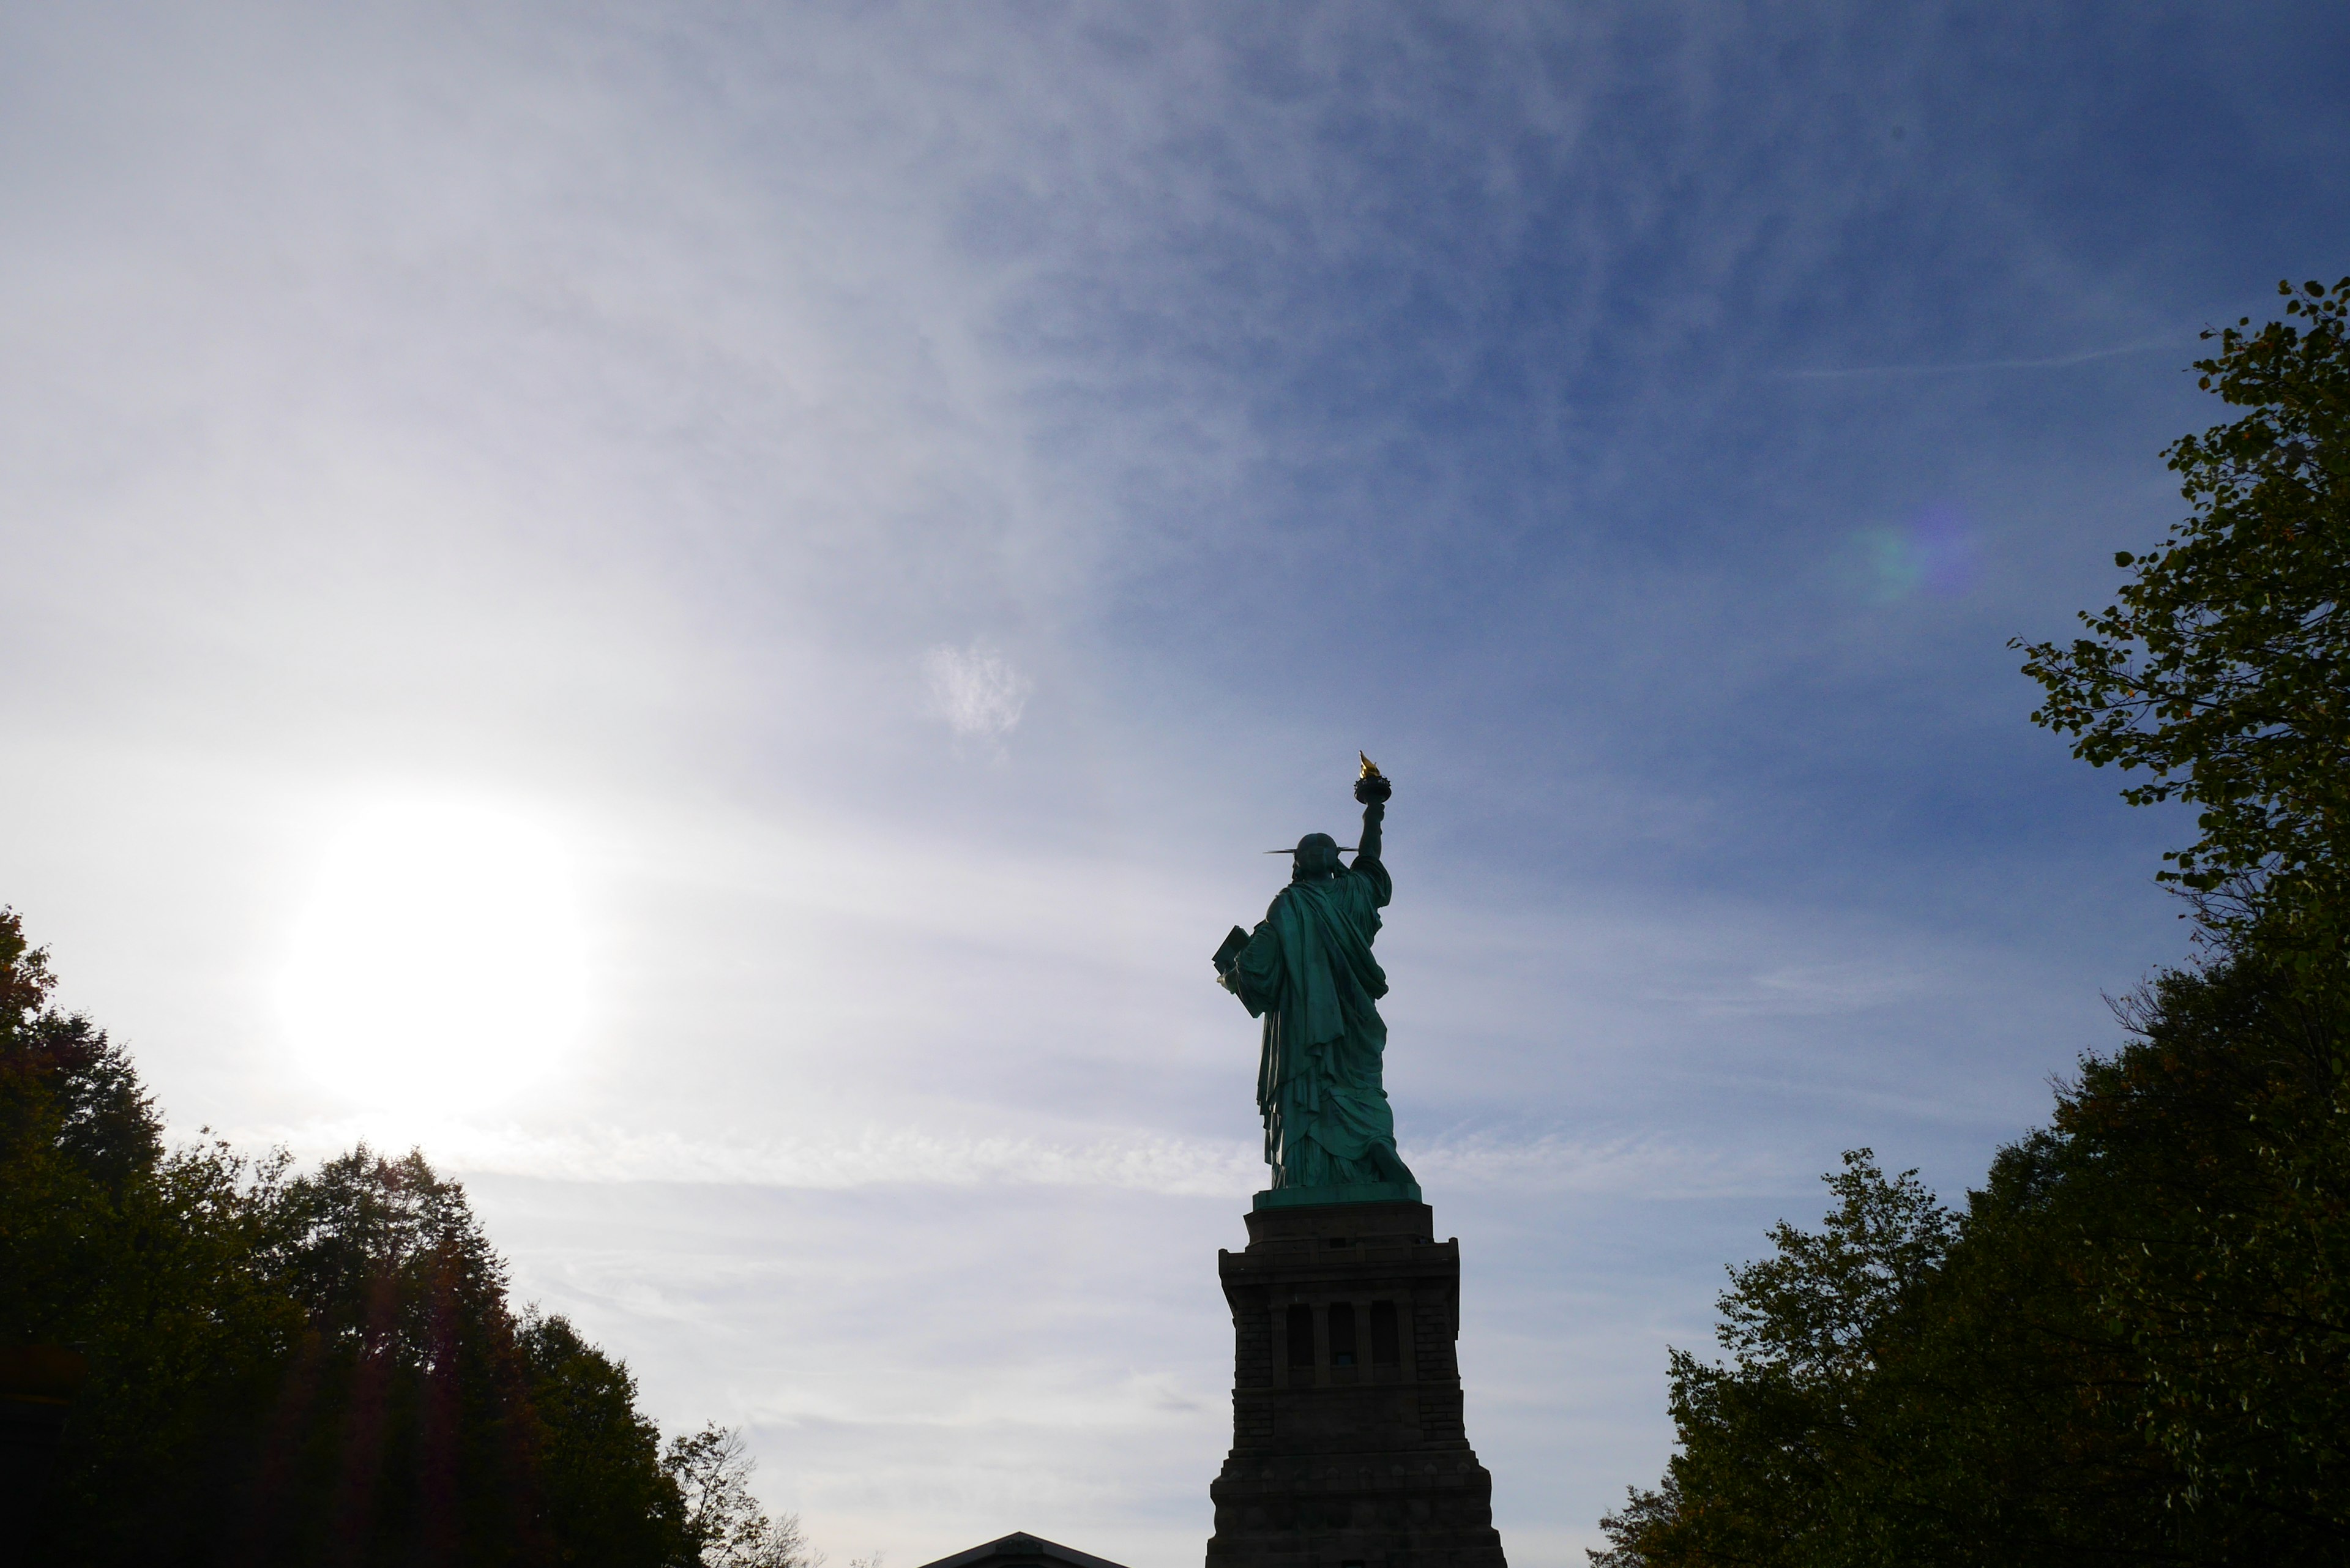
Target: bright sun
pixel 440 964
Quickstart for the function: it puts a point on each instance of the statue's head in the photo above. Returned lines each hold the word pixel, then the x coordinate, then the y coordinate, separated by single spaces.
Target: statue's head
pixel 1315 857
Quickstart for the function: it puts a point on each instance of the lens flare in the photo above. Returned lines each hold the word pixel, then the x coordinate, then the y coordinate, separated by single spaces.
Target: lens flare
pixel 1932 554
pixel 439 963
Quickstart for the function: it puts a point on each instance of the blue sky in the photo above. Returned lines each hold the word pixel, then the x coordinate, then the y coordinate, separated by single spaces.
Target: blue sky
pixel 911 499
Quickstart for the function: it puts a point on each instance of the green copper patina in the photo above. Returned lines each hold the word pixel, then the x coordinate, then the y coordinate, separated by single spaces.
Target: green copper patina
pixel 1307 972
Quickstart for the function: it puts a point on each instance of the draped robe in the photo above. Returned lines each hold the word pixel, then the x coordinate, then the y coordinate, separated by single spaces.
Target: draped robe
pixel 1308 972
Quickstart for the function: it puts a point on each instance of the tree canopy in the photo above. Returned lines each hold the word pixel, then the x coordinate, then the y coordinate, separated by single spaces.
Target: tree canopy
pixel 2128 1346
pixel 2222 668
pixel 319 1367
pixel 2132 1344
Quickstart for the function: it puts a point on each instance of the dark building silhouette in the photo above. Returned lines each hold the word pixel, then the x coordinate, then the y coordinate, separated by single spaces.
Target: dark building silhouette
pixel 1021 1550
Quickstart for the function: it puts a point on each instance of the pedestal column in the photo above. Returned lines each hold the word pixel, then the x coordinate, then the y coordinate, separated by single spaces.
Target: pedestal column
pixel 1349 1448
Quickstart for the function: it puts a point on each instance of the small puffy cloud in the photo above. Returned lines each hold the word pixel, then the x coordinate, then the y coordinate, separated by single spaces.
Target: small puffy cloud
pixel 978 692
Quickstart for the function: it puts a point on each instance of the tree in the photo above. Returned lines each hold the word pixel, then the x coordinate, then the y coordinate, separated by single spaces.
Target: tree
pixel 2220 1148
pixel 712 1470
pixel 1785 1448
pixel 402 1419
pixel 143 1261
pixel 60 1073
pixel 2131 1347
pixel 2222 669
pixel 292 1367
pixel 609 1500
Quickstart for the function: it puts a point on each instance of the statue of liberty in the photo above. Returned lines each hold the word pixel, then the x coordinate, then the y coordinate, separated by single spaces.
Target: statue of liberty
pixel 1307 972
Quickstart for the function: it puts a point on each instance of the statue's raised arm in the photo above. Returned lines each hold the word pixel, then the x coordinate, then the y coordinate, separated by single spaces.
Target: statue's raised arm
pixel 1307 972
pixel 1372 789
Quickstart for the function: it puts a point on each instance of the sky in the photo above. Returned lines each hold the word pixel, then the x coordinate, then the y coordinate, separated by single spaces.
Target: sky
pixel 702 610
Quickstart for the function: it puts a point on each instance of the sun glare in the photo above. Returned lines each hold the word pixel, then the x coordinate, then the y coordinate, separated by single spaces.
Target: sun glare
pixel 440 964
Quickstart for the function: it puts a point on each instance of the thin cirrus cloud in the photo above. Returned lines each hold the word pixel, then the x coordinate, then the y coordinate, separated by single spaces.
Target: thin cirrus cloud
pixel 1139 1160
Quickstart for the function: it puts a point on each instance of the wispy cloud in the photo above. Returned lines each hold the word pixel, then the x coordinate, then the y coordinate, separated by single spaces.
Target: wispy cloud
pixel 977 690
pixel 1645 1165
pixel 2051 362
pixel 1807 991
pixel 872 1157
pixel 1649 1164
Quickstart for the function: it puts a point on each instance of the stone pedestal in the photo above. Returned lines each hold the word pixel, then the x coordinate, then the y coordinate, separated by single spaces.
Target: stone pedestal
pixel 1347 1445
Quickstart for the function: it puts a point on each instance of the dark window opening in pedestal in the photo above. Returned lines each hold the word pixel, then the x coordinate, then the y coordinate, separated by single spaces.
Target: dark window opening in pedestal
pixel 1341 1334
pixel 1301 1336
pixel 1385 1349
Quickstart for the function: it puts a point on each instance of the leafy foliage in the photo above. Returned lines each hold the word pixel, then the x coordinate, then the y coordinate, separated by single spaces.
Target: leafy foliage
pixel 63 1077
pixel 2131 1347
pixel 600 1475
pixel 1816 1309
pixel 2222 669
pixel 2231 1261
pixel 2133 1343
pixel 712 1468
pixel 146 1262
pixel 316 1367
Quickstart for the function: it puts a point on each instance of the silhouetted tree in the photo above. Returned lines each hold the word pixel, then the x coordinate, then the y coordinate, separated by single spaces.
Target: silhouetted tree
pixel 712 1468
pixel 2133 1343
pixel 65 1085
pixel 608 1499
pixel 148 1263
pixel 403 1430
pixel 2132 1346
pixel 2222 669
pixel 287 1368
